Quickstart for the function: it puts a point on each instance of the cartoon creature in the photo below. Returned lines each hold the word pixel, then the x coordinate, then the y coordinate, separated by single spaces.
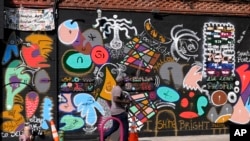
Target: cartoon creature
pixel 86 104
pixel 36 51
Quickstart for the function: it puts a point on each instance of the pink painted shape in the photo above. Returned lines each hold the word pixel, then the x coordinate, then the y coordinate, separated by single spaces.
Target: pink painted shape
pixel 31 103
pixel 106 120
pixel 240 114
pixel 192 78
pixel 67 106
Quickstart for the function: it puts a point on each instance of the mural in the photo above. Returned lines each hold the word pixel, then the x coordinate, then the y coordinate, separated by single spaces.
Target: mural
pixel 183 77
pixel 27 85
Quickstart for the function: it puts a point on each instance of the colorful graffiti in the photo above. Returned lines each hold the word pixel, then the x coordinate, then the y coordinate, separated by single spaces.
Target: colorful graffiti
pixel 180 79
pixel 27 84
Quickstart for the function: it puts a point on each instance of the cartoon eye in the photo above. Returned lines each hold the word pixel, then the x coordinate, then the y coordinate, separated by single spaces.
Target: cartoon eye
pixel 27 44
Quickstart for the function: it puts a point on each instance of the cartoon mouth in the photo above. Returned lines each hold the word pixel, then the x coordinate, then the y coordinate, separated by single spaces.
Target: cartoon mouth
pixel 225 72
pixel 211 72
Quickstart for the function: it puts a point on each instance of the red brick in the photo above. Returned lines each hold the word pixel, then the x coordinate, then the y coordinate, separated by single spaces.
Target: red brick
pixel 215 7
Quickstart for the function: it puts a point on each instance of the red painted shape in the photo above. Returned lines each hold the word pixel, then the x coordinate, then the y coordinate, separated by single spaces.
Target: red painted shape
pixel 188 114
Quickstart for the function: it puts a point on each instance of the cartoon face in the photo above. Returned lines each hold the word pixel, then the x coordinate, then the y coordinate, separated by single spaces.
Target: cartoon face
pixel 226 69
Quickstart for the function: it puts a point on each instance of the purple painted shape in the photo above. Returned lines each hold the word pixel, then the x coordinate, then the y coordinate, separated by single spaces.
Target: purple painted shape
pixel 44 80
pixel 111 118
pixel 142 48
pixel 246 94
pixel 35 53
pixel 32 95
pixel 137 62
pixel 140 116
pixel 20 127
pixel 16 82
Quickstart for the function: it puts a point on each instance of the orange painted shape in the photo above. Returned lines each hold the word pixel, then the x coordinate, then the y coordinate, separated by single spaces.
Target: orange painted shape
pixel 109 83
pixel 223 118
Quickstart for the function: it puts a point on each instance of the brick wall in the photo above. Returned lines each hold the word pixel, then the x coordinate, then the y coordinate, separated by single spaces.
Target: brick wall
pixel 214 7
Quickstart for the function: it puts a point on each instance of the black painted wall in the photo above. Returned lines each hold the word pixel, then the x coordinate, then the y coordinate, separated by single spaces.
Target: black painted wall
pixel 187 74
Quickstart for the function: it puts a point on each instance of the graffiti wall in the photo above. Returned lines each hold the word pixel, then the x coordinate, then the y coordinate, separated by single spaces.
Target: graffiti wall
pixel 186 74
pixel 28 88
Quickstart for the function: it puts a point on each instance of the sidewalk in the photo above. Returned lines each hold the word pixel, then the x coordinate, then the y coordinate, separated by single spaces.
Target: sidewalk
pixel 224 137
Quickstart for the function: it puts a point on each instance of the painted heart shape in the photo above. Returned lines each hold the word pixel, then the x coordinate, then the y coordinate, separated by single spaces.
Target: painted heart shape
pixel 31 103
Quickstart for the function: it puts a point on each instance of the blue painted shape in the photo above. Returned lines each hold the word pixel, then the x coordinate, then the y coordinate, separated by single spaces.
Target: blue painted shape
pixel 8 53
pixel 167 94
pixel 201 103
pixel 87 106
pixel 70 24
pixel 247 105
pixel 79 61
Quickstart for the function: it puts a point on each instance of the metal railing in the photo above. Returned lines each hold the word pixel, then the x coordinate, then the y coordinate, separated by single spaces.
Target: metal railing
pixel 102 127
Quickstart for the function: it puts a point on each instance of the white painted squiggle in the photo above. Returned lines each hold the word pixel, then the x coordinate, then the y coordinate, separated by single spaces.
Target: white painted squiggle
pixel 185 43
pixel 116 25
pixel 118 69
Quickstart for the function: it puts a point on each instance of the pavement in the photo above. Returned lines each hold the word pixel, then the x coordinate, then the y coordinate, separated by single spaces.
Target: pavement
pixel 221 137
pixel 218 137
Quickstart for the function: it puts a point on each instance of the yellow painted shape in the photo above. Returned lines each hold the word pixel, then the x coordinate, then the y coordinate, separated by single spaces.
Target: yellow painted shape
pixel 145 102
pixel 44 41
pixel 14 117
pixel 223 118
pixel 136 39
pixel 109 83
